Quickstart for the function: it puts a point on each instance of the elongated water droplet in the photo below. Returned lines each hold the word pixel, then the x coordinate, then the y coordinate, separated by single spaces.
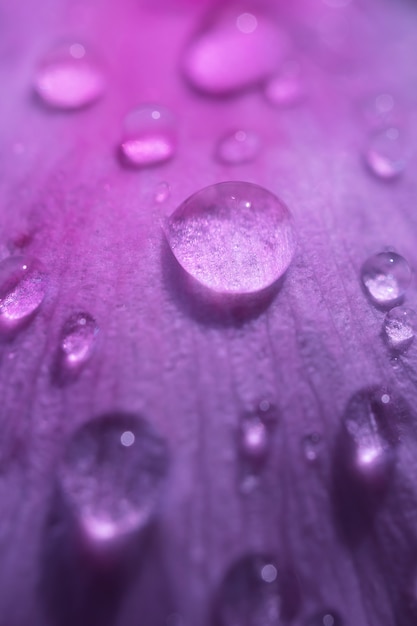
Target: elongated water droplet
pixel 162 192
pixel 312 445
pixel 286 88
pixel 256 590
pixel 111 477
pixel 78 341
pixel 386 277
pixel 241 146
pixel 400 326
pixel 386 155
pixel 233 238
pixel 236 49
pixel 325 617
pixel 23 285
pixel 69 78
pixel 149 136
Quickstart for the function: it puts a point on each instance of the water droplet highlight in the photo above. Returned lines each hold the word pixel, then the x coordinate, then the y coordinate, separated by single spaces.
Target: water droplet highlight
pixel 78 341
pixel 386 277
pixel 23 284
pixel 232 238
pixel 254 439
pixel 312 445
pixel 149 136
pixel 111 477
pixel 237 49
pixel 386 155
pixel 69 78
pixel 238 147
pixel 400 326
pixel 325 617
pixel 286 88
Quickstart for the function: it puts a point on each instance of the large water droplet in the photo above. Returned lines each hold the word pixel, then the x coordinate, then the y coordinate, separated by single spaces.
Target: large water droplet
pixel 233 238
pixel 285 88
pixel 370 426
pixel 149 136
pixel 386 277
pixel 256 591
pixel 400 326
pixel 111 477
pixel 325 617
pixel 22 291
pixel 78 341
pixel 69 78
pixel 238 48
pixel 386 154
pixel 241 146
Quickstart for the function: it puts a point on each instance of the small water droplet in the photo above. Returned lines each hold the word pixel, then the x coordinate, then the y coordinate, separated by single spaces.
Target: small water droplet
pixel 254 438
pixel 380 111
pixel 241 146
pixel 370 423
pixel 286 88
pixel 149 136
pixel 69 78
pixel 22 290
pixel 312 445
pixel 233 238
pixel 78 340
pixel 325 617
pixel 256 591
pixel 400 326
pixel 162 192
pixel 386 154
pixel 386 277
pixel 236 50
pixel 111 477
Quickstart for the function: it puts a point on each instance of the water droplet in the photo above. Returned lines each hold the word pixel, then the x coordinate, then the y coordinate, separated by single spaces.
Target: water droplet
pixel 236 50
pixel 400 326
pixel 380 110
pixel 162 192
pixel 386 277
pixel 111 477
pixel 78 340
pixel 325 617
pixel 312 446
pixel 370 423
pixel 238 147
pixel 256 591
pixel 233 238
pixel 69 78
pixel 22 291
pixel 287 87
pixel 386 154
pixel 149 136
pixel 254 439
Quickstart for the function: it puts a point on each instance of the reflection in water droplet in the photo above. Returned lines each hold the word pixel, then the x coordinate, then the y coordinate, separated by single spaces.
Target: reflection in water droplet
pixel 111 476
pixel 238 147
pixel 78 340
pixel 400 326
pixel 22 291
pixel 287 87
pixel 69 78
pixel 255 591
pixel 370 426
pixel 386 154
pixel 236 50
pixel 233 238
pixel 149 136
pixel 312 446
pixel 386 277
pixel 325 617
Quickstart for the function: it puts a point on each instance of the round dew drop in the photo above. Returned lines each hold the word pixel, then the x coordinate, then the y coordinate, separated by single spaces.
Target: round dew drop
pixel 238 147
pixel 78 340
pixel 149 136
pixel 400 326
pixel 386 277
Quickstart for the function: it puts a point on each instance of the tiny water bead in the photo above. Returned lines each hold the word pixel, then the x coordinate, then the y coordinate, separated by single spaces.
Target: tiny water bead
pixel 232 238
pixel 386 277
pixel 78 340
pixel 286 88
pixel 149 136
pixel 325 617
pixel 400 326
pixel 241 146
pixel 162 192
pixel 387 154
pixel 111 476
pixel 69 78
pixel 312 445
pixel 253 438
pixel 237 49
pixel 23 284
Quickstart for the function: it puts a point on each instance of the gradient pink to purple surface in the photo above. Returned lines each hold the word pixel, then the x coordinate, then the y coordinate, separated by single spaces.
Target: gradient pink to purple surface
pixel 97 228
